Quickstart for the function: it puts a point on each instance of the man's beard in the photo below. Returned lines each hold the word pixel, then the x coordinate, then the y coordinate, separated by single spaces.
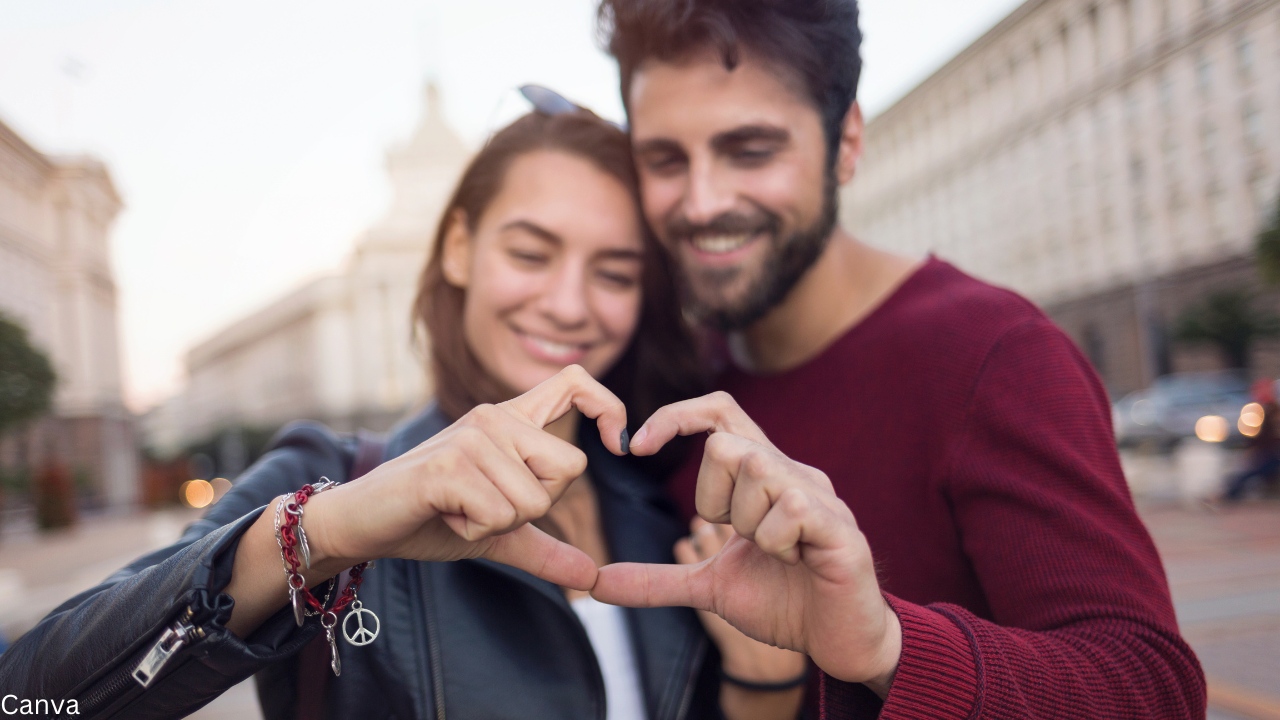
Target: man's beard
pixel 784 265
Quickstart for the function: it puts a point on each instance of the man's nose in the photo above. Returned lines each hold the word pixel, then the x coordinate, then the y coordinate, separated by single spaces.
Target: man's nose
pixel 708 195
pixel 564 300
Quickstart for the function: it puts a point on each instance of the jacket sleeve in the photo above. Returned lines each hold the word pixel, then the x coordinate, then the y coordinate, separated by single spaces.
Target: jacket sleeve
pixel 1082 623
pixel 87 649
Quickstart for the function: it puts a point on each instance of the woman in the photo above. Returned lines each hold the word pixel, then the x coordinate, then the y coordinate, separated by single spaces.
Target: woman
pixel 541 281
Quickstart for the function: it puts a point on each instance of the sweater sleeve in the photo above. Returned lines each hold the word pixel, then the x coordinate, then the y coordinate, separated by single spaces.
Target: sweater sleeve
pixel 1082 623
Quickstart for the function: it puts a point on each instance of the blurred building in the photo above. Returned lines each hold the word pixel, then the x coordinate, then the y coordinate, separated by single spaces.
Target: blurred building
pixel 56 281
pixel 1110 159
pixel 339 349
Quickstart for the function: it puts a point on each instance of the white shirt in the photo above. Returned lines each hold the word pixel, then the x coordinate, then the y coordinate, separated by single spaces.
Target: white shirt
pixel 606 627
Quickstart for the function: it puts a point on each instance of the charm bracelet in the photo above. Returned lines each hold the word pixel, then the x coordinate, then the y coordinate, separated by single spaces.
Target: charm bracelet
pixel 292 540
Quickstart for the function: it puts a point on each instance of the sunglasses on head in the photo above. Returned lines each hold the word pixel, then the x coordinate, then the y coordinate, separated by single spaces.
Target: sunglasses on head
pixel 549 102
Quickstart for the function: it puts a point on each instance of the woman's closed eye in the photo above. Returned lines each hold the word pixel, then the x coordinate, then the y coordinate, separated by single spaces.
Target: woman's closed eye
pixel 529 258
pixel 618 279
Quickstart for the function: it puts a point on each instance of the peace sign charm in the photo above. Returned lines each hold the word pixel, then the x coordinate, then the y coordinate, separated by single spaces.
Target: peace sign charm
pixel 362 635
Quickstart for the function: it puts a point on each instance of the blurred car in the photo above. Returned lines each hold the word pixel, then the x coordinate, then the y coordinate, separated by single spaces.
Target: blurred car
pixel 1212 406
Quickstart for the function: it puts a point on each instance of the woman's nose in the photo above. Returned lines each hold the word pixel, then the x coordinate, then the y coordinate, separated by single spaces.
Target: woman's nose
pixel 564 299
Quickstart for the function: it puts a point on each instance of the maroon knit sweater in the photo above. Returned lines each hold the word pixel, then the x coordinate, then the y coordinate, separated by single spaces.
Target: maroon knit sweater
pixel 973 443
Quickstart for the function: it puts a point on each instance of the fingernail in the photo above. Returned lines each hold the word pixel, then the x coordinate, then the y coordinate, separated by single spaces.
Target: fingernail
pixel 626 441
pixel 640 435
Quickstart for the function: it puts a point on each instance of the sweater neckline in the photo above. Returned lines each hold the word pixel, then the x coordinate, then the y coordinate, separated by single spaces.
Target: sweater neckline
pixel 905 289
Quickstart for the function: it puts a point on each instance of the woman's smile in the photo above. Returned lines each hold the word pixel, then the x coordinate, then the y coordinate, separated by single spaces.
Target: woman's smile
pixel 545 349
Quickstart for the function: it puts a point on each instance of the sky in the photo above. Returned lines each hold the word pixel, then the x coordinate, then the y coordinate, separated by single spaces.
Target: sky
pixel 247 137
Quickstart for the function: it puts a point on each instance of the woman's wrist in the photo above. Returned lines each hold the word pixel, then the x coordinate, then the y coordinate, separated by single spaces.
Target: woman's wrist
pixel 319 523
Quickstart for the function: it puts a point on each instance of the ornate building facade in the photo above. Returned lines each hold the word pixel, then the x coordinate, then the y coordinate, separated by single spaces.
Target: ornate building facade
pixel 56 281
pixel 339 349
pixel 1110 159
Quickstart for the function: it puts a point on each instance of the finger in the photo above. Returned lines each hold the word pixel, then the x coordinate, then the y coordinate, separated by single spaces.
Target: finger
pixel 723 532
pixel 517 482
pixel 552 461
pixel 781 530
pixel 727 460
pixel 537 553
pixel 714 413
pixel 707 540
pixel 643 585
pixel 471 505
pixel 572 388
pixel 803 527
pixel 686 553
pixel 758 483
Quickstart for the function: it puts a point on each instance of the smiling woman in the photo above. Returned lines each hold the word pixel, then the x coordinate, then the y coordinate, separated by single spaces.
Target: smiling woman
pixel 541 260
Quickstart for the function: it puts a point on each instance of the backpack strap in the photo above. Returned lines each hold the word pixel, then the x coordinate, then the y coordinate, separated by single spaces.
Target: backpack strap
pixel 313 659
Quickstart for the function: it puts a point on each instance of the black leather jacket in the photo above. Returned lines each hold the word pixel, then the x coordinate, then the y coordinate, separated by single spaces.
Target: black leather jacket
pixel 471 639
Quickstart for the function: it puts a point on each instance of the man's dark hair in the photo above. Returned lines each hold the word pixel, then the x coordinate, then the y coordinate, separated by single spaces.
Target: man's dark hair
pixel 817 40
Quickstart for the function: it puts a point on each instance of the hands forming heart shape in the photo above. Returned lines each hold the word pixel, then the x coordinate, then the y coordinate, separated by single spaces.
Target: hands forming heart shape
pixel 797 573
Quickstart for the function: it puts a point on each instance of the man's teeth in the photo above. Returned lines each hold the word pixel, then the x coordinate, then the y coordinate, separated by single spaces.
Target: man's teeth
pixel 553 348
pixel 720 243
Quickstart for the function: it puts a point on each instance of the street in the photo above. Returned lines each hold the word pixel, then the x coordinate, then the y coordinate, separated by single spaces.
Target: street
pixel 1223 567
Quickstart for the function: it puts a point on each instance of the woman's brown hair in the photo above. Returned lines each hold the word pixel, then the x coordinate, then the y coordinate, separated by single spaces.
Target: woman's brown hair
pixel 662 364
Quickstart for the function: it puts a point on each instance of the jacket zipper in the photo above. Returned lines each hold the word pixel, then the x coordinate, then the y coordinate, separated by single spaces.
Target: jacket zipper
pixel 691 677
pixel 433 641
pixel 120 682
pixel 174 638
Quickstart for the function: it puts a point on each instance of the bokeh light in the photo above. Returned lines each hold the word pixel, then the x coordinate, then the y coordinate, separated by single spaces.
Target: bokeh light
pixel 1251 417
pixel 220 487
pixel 196 493
pixel 1212 428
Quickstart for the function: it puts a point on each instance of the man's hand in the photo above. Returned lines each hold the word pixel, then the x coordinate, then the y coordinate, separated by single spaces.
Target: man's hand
pixel 798 574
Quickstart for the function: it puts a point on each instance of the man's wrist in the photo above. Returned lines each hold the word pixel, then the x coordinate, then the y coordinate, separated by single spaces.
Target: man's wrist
pixel 891 654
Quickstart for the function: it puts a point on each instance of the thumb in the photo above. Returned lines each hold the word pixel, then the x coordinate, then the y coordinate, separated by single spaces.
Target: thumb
pixel 644 585
pixel 537 553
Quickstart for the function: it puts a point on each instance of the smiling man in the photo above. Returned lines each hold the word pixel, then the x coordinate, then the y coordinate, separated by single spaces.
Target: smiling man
pixel 919 467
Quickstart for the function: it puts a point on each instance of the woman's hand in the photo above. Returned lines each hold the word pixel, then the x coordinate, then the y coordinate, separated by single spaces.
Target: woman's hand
pixel 740 656
pixel 467 492
pixel 470 490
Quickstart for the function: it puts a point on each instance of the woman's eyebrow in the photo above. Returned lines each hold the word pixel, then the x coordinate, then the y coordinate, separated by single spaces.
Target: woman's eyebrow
pixel 533 229
pixel 620 254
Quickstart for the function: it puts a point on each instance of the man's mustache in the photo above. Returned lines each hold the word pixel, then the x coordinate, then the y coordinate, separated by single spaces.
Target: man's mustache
pixel 679 229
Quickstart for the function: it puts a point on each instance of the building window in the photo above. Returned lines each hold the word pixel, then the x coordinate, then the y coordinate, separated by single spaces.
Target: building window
pixel 1165 91
pixel 1245 57
pixel 1204 75
pixel 1217 201
pixel 1132 106
pixel 1266 197
pixel 1252 126
pixel 1209 139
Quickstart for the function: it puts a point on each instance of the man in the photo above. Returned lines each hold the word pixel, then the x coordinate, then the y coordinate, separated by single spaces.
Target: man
pixel 919 467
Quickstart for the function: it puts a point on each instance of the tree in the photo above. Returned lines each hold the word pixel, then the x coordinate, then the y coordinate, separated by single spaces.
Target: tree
pixel 27 378
pixel 1268 248
pixel 1229 321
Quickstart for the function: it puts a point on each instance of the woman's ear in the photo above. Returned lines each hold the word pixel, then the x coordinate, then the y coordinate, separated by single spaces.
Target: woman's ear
pixel 456 253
